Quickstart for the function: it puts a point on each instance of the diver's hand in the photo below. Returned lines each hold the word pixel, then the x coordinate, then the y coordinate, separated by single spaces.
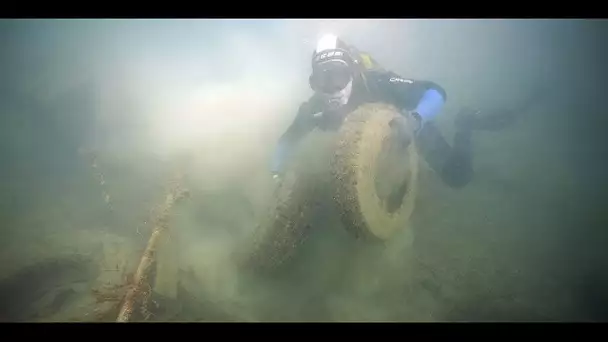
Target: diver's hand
pixel 416 120
pixel 400 125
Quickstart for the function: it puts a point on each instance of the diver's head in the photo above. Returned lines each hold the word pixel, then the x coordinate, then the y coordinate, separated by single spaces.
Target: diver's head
pixel 333 71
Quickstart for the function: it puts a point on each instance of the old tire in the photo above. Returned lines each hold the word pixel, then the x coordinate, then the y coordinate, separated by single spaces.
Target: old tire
pixel 362 139
pixel 285 226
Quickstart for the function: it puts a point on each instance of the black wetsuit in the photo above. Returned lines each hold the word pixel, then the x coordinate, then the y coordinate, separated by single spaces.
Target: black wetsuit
pixel 452 163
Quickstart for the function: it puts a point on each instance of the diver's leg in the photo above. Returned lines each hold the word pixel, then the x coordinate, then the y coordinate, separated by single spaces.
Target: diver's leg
pixel 452 164
pixel 498 119
pixel 486 121
pixel 455 164
pixel 457 171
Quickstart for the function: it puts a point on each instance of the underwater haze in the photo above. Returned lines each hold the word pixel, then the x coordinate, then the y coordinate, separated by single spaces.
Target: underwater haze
pixel 97 117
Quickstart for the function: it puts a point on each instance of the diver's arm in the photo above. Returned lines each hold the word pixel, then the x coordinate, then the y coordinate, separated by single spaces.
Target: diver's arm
pixel 302 125
pixel 430 103
pixel 423 99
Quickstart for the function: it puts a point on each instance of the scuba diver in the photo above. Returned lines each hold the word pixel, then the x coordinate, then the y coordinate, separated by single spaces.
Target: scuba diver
pixel 343 78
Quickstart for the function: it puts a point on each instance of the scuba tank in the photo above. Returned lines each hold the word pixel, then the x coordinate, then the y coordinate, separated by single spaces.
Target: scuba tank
pixel 364 60
pixel 365 63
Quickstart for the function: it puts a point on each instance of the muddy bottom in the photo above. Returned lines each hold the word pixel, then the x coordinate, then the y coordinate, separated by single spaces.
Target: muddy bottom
pixel 43 289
